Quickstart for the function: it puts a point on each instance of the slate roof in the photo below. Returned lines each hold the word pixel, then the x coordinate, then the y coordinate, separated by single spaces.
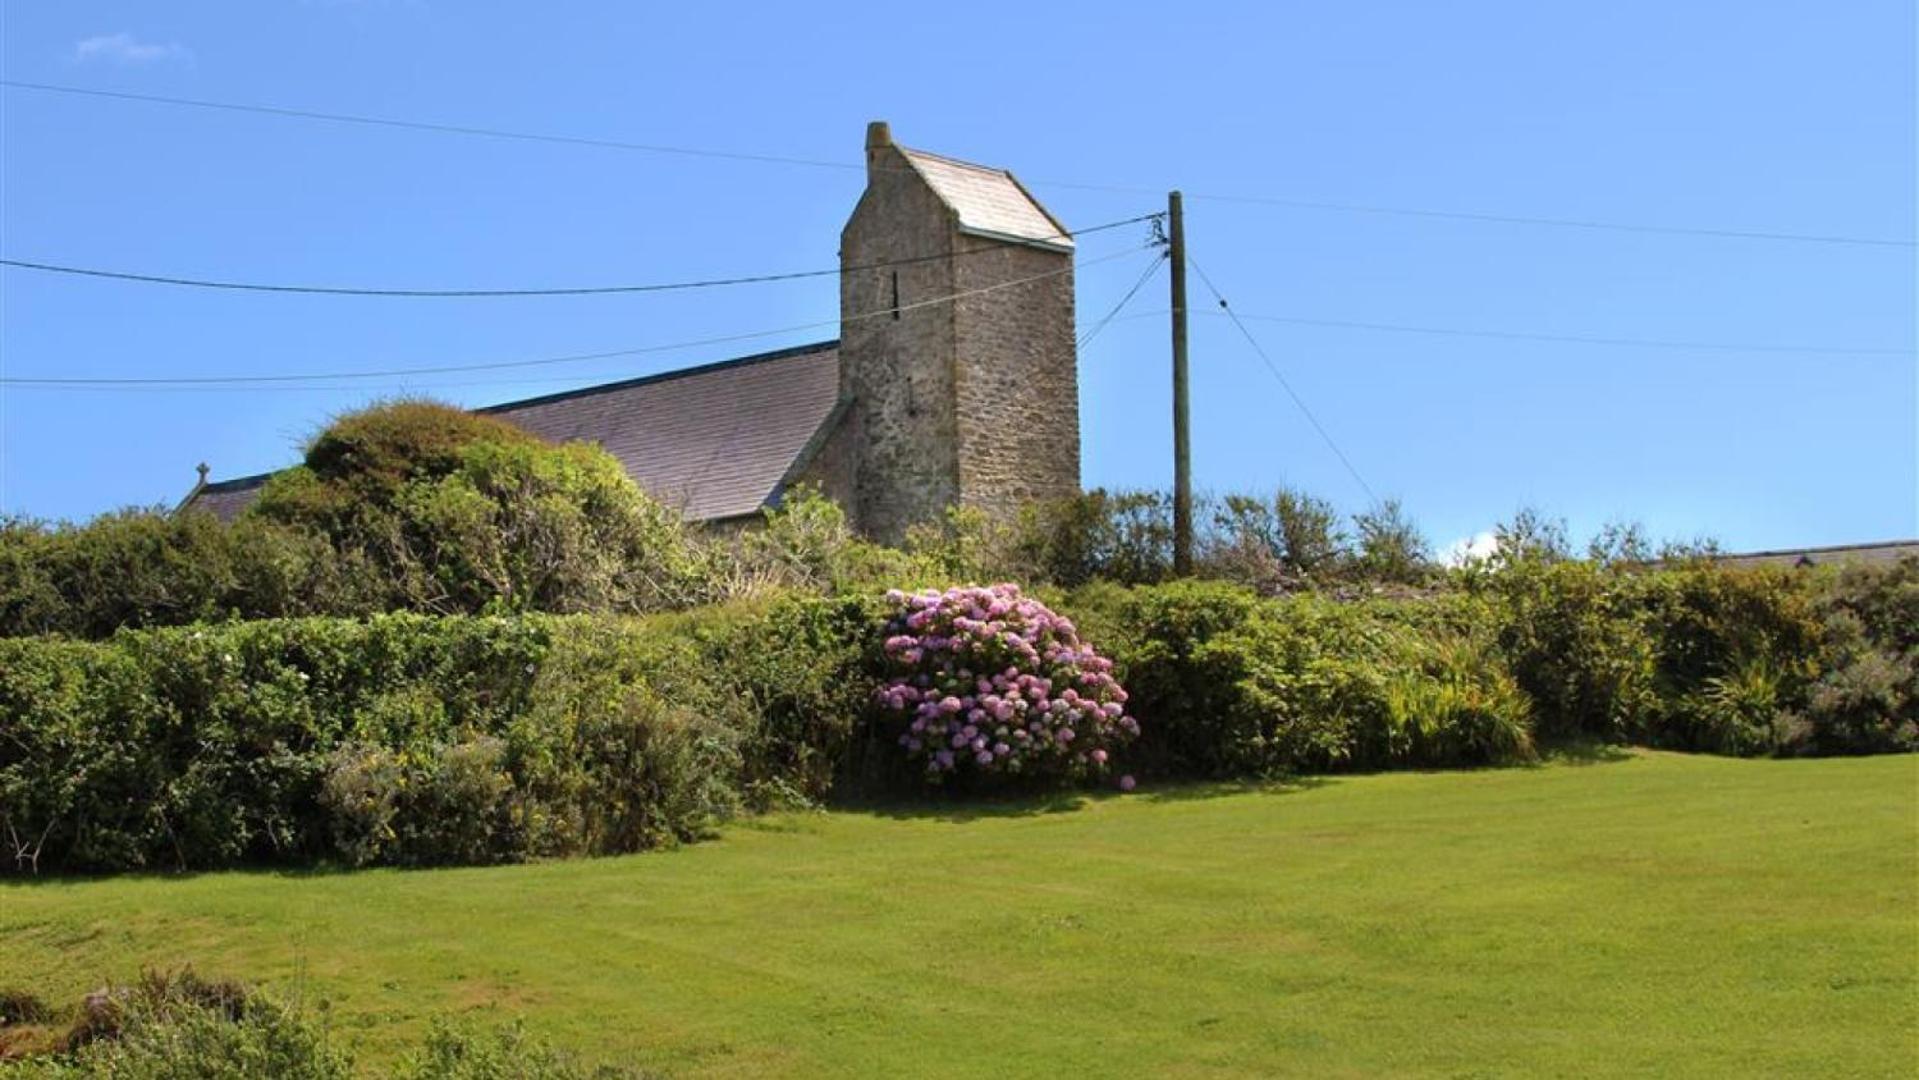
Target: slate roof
pixel 989 202
pixel 715 441
pixel 1883 553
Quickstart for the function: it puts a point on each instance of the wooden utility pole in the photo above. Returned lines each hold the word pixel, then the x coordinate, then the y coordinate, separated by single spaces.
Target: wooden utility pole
pixel 1182 448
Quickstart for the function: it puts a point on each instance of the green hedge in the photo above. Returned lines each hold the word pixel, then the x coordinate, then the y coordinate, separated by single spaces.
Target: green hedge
pixel 413 739
pixel 410 739
pixel 1226 683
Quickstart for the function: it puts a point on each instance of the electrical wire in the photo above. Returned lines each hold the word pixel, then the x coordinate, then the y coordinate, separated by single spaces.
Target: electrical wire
pixel 1577 339
pixel 308 377
pixel 1560 223
pixel 1266 200
pixel 419 125
pixel 590 290
pixel 1285 385
pixel 1086 338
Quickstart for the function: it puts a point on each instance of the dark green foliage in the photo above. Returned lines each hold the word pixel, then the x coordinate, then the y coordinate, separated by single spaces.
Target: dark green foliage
pixel 1228 684
pixel 412 739
pixel 408 506
pixel 1572 638
pixel 1732 650
pixel 1119 536
pixel 141 568
pixel 455 512
pixel 1865 698
pixel 1694 655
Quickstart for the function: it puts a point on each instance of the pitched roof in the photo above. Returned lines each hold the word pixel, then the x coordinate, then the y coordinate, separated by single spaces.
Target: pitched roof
pixel 989 202
pixel 1888 552
pixel 714 441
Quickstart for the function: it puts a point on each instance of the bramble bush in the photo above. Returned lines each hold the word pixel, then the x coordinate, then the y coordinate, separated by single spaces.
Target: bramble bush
pixel 997 684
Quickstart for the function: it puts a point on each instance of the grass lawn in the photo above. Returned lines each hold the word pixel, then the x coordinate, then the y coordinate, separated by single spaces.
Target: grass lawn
pixel 1659 914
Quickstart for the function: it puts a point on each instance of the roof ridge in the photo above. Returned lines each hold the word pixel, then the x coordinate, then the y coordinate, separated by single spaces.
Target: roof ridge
pixel 662 376
pixel 1868 545
pixel 956 161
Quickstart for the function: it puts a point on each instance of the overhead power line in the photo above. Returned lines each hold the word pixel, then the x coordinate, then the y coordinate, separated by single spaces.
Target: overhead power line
pixel 1086 338
pixel 1305 410
pixel 1561 223
pixel 422 125
pixel 1574 339
pixel 1533 220
pixel 575 358
pixel 587 290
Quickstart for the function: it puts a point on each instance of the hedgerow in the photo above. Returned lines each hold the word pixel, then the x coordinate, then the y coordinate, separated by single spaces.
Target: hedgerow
pixel 409 739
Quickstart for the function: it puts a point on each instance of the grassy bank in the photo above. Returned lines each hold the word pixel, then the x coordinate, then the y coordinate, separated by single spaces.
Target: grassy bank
pixel 1660 913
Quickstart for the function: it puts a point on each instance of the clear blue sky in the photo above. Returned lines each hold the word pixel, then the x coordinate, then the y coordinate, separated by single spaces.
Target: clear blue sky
pixel 1780 117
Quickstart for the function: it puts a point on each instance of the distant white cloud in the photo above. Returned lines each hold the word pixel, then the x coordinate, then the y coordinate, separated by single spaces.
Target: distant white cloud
pixel 1470 549
pixel 127 50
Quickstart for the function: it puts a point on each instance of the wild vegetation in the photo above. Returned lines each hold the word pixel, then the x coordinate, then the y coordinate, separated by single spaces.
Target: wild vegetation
pixel 176 1025
pixel 440 640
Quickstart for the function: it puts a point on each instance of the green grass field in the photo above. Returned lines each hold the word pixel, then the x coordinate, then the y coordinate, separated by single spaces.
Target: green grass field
pixel 1660 914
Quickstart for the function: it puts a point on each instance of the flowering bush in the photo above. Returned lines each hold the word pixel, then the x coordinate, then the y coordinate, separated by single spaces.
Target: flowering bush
pixel 997 684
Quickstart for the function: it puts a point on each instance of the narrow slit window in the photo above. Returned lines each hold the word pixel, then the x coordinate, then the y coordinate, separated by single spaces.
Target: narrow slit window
pixel 896 294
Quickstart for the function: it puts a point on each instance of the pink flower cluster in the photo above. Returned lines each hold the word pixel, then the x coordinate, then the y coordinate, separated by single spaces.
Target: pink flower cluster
pixel 991 681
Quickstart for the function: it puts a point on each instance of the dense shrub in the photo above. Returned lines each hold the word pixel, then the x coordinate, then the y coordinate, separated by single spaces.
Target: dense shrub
pixel 1733 649
pixel 141 568
pixel 1572 636
pixel 407 506
pixel 996 684
pixel 1228 684
pixel 1865 698
pixel 412 739
pixel 1692 655
pixel 456 512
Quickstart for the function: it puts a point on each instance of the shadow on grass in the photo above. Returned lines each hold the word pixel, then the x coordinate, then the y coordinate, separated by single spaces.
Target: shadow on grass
pixel 960 808
pixel 1581 752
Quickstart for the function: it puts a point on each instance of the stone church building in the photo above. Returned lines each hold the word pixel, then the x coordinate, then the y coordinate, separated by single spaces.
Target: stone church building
pixel 954 380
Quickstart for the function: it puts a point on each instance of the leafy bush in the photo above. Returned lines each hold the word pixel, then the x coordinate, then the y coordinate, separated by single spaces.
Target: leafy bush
pixel 412 739
pixel 456 512
pixel 997 684
pixel 1572 635
pixel 141 568
pixel 1733 648
pixel 1865 698
pixel 1229 684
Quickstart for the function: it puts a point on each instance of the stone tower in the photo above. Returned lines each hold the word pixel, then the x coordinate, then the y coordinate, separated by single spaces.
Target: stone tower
pixel 973 401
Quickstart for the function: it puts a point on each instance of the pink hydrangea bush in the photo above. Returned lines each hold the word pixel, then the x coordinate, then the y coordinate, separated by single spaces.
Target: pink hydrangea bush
pixel 988 682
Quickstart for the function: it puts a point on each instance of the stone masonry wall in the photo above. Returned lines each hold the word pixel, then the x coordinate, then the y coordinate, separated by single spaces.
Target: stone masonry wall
pixel 972 402
pixel 1018 378
pixel 899 371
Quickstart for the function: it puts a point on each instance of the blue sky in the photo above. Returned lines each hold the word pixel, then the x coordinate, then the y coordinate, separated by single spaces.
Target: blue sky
pixel 1746 116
